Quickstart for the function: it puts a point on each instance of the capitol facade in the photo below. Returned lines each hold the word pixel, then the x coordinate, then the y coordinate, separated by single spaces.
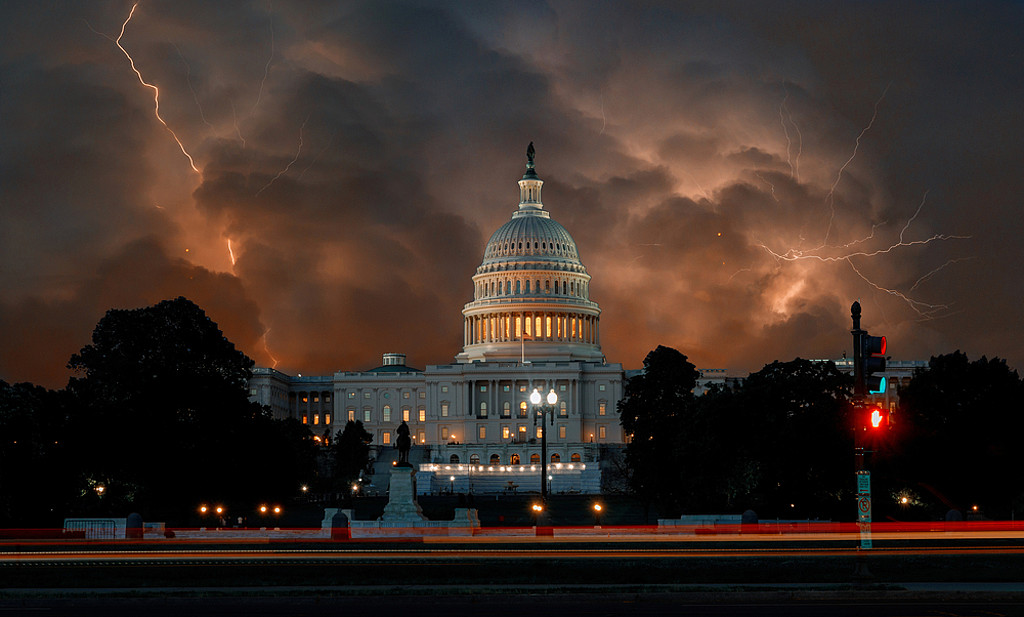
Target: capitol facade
pixel 531 325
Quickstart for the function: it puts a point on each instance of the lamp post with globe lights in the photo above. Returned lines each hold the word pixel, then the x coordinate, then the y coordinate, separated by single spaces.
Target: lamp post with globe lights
pixel 543 411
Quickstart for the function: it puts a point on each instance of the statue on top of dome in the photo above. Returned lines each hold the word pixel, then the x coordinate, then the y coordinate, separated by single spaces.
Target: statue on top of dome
pixel 530 152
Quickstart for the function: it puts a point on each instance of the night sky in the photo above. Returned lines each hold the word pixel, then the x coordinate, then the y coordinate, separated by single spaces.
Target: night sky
pixel 735 174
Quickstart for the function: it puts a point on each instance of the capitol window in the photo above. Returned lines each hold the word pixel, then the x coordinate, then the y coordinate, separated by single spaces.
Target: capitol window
pixel 602 408
pixel 534 458
pixel 351 415
pixel 483 409
pixel 387 413
pixel 385 437
pixel 444 410
pixel 422 412
pixel 575 458
pixel 506 433
pixel 506 410
pixel 367 414
pixel 561 432
pixel 405 414
pixel 481 432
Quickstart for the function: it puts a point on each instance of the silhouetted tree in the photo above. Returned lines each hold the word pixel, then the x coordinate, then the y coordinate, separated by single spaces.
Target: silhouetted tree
pixel 351 454
pixel 163 415
pixel 957 435
pixel 656 411
pixel 36 477
pixel 783 440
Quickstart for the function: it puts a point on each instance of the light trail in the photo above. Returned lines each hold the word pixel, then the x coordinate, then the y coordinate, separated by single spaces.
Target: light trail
pixel 231 253
pixel 156 91
pixel 289 165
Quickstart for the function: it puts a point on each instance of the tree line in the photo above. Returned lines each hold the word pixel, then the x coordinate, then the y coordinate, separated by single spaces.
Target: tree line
pixel 156 420
pixel 781 441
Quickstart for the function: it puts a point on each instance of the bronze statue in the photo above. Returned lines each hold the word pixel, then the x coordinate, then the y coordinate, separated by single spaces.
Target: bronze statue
pixel 403 443
pixel 530 152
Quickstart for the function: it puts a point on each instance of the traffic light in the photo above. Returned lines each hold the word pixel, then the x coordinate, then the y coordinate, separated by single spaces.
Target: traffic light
pixel 872 359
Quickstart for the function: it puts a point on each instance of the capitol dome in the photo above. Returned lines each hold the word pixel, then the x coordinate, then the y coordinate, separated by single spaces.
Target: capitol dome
pixel 531 297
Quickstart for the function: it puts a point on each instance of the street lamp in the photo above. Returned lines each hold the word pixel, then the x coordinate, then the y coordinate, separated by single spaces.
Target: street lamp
pixel 543 410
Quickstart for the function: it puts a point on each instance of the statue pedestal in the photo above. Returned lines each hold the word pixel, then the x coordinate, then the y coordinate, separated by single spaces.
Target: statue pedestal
pixel 402 507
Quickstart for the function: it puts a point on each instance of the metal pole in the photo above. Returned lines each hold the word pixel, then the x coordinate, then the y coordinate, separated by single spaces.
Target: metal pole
pixel 543 455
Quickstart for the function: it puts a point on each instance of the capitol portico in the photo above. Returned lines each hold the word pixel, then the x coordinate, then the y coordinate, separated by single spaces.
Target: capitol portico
pixel 530 325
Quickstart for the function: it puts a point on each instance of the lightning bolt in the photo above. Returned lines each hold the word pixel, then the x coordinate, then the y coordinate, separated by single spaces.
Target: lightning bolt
pixel 156 91
pixel 830 198
pixel 266 69
pixel 188 79
pixel 266 348
pixel 289 165
pixel 231 253
pixel 238 131
pixel 923 309
pixel 784 115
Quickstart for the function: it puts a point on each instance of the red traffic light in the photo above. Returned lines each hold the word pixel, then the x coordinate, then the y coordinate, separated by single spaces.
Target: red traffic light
pixel 876 417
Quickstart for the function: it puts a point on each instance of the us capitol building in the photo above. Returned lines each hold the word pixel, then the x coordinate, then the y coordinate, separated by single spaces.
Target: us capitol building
pixel 531 325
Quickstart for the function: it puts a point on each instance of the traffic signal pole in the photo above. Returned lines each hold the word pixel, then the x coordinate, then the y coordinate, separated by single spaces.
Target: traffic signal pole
pixel 862 474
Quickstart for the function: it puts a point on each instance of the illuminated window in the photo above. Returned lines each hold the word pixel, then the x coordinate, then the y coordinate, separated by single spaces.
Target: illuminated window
pixel 387 413
pixel 327 398
pixel 483 409
pixel 327 418
pixel 444 388
pixel 575 458
pixel 562 411
pixel 534 458
pixel 601 432
pixel 522 432
pixel 522 388
pixel 444 432
pixel 423 395
pixel 366 415
pixel 562 387
pixel 305 399
pixel 305 420
pixel 316 418
pixel 421 436
pixel 505 387
pixel 351 415
pixel 506 432
pixel 519 326
pixel 316 399
pixel 422 412
pixel 405 414
pixel 561 432
pixel 385 438
pixel 515 459
pixel 474 459
pixel 555 458
pixel 548 329
pixel 351 394
pixel 405 395
pixel 540 432
pixel 495 459
pixel 444 410
pixel 506 410
pixel 483 388
pixel 522 409
pixel 481 432
pixel 602 408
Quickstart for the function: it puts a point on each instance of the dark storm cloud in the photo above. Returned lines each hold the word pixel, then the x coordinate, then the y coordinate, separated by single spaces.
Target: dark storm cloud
pixel 713 161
